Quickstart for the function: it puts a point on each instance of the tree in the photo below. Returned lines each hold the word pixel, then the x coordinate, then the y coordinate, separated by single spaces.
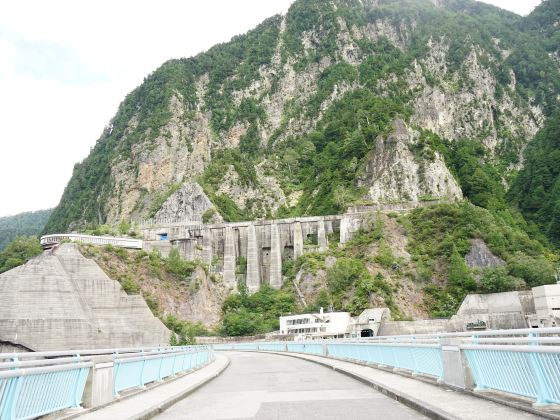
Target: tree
pixel 19 251
pixel 459 274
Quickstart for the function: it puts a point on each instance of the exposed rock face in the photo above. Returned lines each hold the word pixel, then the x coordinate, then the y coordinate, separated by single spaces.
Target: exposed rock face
pixel 188 203
pixel 480 256
pixel 285 83
pixel 393 173
pixel 264 196
pixel 463 103
pixel 61 300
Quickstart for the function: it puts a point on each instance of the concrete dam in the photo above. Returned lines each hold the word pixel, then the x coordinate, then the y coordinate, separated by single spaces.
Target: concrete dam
pixel 254 252
pixel 250 252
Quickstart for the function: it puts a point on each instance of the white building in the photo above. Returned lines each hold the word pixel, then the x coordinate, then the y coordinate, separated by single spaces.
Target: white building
pixel 333 324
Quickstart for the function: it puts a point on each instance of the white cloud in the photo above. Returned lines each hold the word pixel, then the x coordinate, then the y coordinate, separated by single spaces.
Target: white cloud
pixel 65 67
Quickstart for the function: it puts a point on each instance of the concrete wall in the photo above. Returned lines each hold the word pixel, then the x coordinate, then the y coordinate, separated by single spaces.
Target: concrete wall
pixel 424 326
pixel 264 244
pixel 61 300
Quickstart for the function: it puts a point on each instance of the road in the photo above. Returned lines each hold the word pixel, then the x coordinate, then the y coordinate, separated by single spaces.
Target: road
pixel 267 386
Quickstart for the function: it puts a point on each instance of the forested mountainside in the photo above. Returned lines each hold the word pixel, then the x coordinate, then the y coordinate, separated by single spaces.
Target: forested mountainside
pixel 22 224
pixel 295 116
pixel 349 102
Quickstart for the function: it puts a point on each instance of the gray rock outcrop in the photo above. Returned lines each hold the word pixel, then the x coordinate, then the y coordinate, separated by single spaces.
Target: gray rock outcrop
pixel 480 256
pixel 188 203
pixel 394 173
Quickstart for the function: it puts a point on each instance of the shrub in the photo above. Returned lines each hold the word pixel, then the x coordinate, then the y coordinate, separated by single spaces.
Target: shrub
pixel 384 255
pixel 497 279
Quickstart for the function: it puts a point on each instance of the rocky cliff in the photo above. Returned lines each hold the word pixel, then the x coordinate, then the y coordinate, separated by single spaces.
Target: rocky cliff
pixel 295 117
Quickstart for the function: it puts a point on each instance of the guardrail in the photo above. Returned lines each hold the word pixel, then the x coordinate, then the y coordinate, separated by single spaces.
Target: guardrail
pixel 95 240
pixel 524 362
pixel 35 384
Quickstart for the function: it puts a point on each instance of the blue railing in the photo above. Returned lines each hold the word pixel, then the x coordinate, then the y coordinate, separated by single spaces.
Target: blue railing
pixel 36 384
pixel 33 392
pixel 416 358
pixel 528 371
pixel 134 372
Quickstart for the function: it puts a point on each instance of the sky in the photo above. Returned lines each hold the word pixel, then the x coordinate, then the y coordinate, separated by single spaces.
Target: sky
pixel 65 66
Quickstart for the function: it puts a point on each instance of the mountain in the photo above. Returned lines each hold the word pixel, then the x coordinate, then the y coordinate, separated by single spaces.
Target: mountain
pixel 340 102
pixel 23 224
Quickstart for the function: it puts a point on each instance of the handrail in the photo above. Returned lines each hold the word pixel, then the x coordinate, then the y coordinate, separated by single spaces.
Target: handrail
pixel 96 240
pixel 46 369
pixel 88 352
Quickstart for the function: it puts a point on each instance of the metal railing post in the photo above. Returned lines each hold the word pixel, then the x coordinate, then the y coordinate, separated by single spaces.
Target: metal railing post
pixel 543 394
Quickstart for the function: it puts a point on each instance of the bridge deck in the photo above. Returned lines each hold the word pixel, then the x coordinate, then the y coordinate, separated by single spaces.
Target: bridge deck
pixel 268 386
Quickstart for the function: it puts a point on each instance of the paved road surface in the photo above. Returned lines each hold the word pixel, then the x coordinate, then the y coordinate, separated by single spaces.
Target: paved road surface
pixel 266 386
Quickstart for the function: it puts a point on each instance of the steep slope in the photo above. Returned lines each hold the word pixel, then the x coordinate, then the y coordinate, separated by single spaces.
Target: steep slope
pixel 290 118
pixel 537 188
pixel 544 23
pixel 23 224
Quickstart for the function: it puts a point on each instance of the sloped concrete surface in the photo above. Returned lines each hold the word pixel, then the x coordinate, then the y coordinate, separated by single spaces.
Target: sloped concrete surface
pixel 61 300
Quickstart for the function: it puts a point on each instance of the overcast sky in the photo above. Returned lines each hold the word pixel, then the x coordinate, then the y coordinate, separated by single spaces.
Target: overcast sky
pixel 65 66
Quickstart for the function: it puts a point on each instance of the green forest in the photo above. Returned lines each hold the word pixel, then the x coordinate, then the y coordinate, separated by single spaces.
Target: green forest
pixel 23 224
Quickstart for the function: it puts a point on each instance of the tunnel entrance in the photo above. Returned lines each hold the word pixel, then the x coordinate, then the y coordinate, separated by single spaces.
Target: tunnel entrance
pixel 366 333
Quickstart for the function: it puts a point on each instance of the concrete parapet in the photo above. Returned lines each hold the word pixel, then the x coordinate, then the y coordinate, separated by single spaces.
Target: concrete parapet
pixel 99 385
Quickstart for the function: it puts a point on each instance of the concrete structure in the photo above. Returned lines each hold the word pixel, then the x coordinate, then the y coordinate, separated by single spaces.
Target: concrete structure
pixel 62 300
pixel 263 244
pixel 547 306
pixel 536 308
pixel 333 324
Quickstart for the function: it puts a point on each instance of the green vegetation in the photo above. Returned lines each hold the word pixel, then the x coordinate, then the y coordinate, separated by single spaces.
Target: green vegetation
pixel 246 314
pixel 23 224
pixel 440 237
pixel 324 163
pixel 537 188
pixel 184 332
pixel 18 252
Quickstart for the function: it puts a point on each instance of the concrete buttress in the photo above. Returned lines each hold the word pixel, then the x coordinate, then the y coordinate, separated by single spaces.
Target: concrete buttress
pixel 229 257
pixel 298 240
pixel 275 258
pixel 253 260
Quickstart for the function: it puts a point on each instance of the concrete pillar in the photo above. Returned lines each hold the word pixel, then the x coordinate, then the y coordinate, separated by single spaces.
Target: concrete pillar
pixel 298 240
pixel 229 258
pixel 253 263
pixel 456 372
pixel 275 257
pixel 348 226
pixel 322 236
pixel 207 246
pixel 99 385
